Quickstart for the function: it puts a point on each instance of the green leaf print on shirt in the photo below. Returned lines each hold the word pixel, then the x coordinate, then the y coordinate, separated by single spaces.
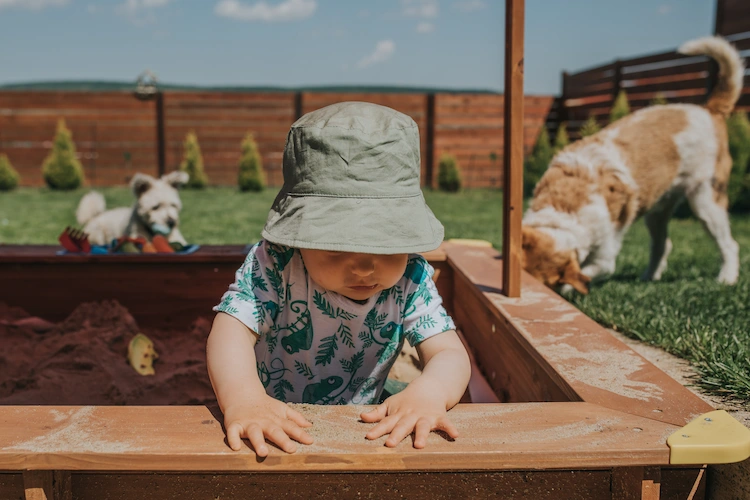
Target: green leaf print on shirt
pixel 281 255
pixel 346 334
pixel 411 299
pixel 320 391
pixel 326 308
pixel 416 271
pixel 226 305
pixel 301 337
pixel 304 370
pixel 373 322
pixel 326 350
pixel 396 291
pixel 279 390
pixel 257 280
pixel 277 283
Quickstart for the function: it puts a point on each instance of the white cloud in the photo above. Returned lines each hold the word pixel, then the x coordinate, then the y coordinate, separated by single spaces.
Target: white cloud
pixel 470 5
pixel 420 8
pixel 383 51
pixel 140 12
pixel 664 9
pixel 424 27
pixel 288 10
pixel 32 4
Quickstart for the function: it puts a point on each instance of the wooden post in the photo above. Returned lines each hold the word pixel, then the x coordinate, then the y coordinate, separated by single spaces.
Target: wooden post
pixel 713 67
pixel 297 105
pixel 429 154
pixel 513 148
pixel 160 137
pixel 47 485
pixel 719 17
pixel 616 79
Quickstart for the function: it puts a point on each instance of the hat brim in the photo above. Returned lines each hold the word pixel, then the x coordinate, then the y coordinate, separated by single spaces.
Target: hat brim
pixel 349 224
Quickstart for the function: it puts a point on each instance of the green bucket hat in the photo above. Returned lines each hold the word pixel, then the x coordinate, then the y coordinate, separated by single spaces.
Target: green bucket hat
pixel 351 184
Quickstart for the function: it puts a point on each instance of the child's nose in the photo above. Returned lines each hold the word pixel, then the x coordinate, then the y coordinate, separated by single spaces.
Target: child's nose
pixel 363 266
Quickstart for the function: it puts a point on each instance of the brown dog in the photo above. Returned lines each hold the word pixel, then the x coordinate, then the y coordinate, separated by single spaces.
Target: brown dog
pixel 643 164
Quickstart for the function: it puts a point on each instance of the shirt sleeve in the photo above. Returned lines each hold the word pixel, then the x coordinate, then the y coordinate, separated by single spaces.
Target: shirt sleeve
pixel 255 296
pixel 424 314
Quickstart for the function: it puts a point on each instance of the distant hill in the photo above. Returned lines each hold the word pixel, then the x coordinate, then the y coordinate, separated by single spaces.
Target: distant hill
pixel 92 85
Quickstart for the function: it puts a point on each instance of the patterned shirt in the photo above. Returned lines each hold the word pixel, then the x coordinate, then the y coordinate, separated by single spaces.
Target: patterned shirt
pixel 317 346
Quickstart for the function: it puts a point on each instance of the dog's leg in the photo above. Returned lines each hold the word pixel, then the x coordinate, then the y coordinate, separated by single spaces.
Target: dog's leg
pixel 716 222
pixel 657 221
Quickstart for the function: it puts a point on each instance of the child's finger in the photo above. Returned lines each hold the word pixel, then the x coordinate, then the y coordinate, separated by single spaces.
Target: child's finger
pixel 297 418
pixel 376 414
pixel 234 437
pixel 404 427
pixel 421 431
pixel 278 436
pixel 295 432
pixel 384 427
pixel 257 440
pixel 446 425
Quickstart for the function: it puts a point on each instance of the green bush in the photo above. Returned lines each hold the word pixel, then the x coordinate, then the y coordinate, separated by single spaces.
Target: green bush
pixel 61 169
pixel 561 138
pixel 251 176
pixel 192 162
pixel 620 107
pixel 449 174
pixel 8 176
pixel 536 162
pixel 589 127
pixel 658 100
pixel 738 129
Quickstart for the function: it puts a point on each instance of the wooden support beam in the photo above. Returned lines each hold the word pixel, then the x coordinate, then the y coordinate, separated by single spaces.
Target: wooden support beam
pixel 513 150
pixel 47 485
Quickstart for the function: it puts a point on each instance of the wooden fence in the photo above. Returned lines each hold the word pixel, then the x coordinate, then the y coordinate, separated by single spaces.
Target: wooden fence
pixel 116 134
pixel 672 76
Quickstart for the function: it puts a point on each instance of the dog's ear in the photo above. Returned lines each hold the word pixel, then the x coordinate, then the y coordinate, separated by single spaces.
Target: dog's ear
pixel 573 276
pixel 140 183
pixel 529 237
pixel 176 179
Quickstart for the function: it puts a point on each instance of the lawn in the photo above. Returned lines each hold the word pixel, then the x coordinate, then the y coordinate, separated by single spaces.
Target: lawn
pixel 687 313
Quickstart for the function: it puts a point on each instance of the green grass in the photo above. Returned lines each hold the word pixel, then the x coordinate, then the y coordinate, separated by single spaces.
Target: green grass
pixel 686 313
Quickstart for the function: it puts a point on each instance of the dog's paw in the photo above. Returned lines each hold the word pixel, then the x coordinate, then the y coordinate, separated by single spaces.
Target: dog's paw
pixel 567 291
pixel 727 278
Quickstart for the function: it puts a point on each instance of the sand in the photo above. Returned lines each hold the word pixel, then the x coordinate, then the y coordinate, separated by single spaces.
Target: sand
pixel 82 360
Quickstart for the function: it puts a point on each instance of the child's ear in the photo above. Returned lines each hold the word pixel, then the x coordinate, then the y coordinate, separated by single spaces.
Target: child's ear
pixel 140 183
pixel 573 276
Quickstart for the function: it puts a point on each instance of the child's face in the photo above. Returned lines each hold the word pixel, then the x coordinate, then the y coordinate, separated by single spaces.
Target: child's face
pixel 358 276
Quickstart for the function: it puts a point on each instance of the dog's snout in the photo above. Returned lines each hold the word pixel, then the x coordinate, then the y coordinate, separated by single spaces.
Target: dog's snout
pixel 171 223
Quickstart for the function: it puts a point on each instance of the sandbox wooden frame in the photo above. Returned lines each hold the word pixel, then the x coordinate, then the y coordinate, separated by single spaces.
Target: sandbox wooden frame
pixel 583 415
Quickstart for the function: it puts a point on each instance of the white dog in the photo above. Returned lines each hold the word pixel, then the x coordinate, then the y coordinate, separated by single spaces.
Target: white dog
pixel 643 164
pixel 157 209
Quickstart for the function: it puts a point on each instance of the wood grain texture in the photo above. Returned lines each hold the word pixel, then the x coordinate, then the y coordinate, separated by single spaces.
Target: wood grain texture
pixel 190 438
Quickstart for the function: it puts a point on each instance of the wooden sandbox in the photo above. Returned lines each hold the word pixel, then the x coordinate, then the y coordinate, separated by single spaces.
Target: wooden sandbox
pixel 583 416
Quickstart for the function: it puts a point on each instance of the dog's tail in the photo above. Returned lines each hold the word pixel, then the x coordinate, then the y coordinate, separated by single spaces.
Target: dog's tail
pixel 731 71
pixel 91 205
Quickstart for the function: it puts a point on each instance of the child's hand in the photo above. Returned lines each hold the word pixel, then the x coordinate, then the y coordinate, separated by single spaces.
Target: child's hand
pixel 265 418
pixel 410 410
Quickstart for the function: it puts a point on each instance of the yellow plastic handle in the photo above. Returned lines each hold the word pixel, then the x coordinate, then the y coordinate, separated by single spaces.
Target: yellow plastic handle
pixel 712 438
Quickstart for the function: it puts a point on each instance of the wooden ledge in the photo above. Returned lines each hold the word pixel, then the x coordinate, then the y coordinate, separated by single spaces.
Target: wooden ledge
pixel 569 356
pixel 189 438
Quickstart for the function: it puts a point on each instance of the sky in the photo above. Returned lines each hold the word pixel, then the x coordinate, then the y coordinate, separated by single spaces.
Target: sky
pixel 450 44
